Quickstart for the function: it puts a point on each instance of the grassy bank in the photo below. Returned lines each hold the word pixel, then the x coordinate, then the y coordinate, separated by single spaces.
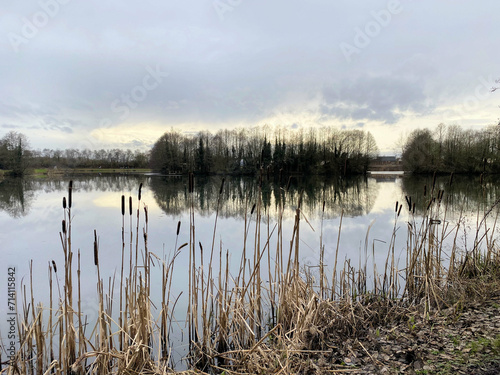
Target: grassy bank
pixel 47 172
pixel 110 170
pixel 274 315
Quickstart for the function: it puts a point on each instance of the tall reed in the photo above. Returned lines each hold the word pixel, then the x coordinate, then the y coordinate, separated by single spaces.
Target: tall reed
pixel 271 308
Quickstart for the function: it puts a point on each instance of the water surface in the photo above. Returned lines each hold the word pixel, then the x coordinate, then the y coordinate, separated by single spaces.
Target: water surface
pixel 31 213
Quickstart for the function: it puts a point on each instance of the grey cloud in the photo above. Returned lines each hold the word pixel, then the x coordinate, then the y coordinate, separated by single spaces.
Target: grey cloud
pixel 380 98
pixel 10 126
pixel 137 144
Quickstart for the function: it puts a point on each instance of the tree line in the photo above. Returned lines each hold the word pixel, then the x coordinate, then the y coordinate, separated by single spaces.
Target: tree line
pixel 239 151
pixel 245 151
pixel 17 156
pixel 74 158
pixel 452 149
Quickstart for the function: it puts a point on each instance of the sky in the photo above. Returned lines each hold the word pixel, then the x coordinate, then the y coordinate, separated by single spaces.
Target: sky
pixel 103 74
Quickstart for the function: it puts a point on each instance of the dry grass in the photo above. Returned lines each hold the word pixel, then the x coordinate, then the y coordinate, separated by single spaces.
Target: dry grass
pixel 272 317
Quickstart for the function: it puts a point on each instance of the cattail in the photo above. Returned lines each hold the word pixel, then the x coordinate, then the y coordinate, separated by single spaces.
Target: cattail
pixel 324 202
pixel 408 200
pixel 400 207
pixel 253 208
pixel 413 209
pixel 64 226
pixel 96 256
pixel 55 267
pixel 182 246
pixel 221 186
pixel 178 227
pixel 396 210
pixel 70 193
pixel 123 205
pixel 140 188
pixel 130 206
pixel 146 213
pixel 191 182
pixel 429 205
pixel 64 202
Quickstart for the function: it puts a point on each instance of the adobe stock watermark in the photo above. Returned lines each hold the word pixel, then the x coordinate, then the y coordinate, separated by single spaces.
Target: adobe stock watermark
pixel 363 36
pixel 130 100
pixel 222 7
pixel 49 9
pixel 472 102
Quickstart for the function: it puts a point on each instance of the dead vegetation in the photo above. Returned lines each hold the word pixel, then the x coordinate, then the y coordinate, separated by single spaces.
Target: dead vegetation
pixel 438 313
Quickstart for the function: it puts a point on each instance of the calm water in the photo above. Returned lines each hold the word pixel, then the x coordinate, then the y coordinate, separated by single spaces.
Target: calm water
pixel 31 213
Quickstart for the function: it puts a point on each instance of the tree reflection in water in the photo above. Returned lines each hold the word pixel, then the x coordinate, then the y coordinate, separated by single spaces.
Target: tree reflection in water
pixel 16 196
pixel 355 196
pixel 465 193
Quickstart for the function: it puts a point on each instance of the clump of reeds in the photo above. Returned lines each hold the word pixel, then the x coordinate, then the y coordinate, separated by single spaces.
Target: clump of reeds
pixel 268 317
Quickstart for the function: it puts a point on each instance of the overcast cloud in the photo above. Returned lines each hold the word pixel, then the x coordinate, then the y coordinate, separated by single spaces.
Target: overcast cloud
pixel 92 74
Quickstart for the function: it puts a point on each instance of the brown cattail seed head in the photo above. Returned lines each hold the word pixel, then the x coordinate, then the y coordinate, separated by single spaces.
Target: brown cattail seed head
pixel 130 206
pixel 140 189
pixel 191 182
pixel 70 193
pixel 64 202
pixel 221 186
pixel 429 205
pixel 123 205
pixel 96 252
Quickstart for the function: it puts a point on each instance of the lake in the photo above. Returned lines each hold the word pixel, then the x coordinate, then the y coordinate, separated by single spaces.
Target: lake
pixel 31 213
